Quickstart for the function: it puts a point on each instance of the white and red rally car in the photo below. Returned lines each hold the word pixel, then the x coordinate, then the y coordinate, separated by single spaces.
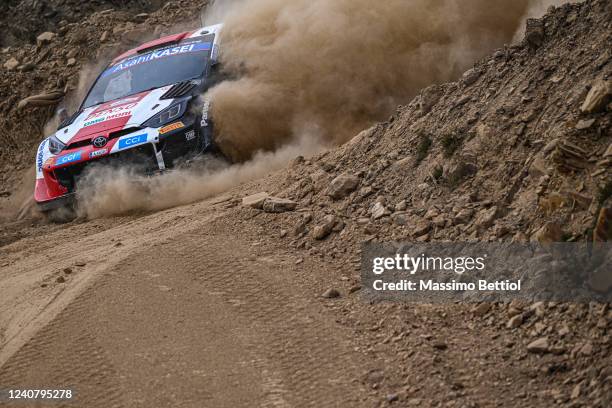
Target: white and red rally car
pixel 145 109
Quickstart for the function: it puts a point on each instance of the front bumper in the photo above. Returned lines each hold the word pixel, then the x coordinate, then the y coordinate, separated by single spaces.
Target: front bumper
pixel 145 151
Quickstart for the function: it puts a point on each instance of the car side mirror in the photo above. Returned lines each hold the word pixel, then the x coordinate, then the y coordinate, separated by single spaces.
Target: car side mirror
pixel 62 114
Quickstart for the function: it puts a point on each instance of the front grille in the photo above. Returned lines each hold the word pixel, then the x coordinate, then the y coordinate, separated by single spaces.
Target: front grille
pixel 79 144
pixel 139 159
pixel 178 90
pixel 113 135
pixel 119 133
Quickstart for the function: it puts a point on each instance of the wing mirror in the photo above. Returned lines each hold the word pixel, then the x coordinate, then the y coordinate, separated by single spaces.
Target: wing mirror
pixel 62 114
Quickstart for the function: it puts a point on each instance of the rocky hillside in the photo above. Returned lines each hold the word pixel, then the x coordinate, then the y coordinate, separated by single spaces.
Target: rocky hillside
pixel 518 148
pixel 56 61
pixel 22 20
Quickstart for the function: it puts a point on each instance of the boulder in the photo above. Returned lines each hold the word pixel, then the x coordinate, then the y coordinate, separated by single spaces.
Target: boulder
pixel 323 230
pixel 486 218
pixel 278 205
pixel 11 64
pixel 549 233
pixel 379 210
pixel 471 76
pixel 539 346
pixel 255 200
pixel 342 186
pixel 598 97
pixel 45 38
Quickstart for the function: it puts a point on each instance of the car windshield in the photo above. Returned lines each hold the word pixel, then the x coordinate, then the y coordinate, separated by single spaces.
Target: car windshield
pixel 161 67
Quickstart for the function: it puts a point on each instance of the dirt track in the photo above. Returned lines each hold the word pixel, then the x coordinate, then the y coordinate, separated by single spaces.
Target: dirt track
pixel 215 320
pixel 229 316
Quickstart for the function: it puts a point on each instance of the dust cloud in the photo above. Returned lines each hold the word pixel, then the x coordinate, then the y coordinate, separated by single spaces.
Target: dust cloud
pixel 107 191
pixel 313 73
pixel 339 65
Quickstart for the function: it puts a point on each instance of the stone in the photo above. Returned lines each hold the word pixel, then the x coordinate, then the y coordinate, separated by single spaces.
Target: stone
pixel 598 97
pixel 104 36
pixel 515 322
pixel 392 397
pixel 27 67
pixel 482 309
pixel 539 346
pixel 587 349
pixel 379 210
pixel 141 17
pixel 11 64
pixel 550 232
pixel 45 38
pixel 538 167
pixel 60 279
pixel 342 186
pixel 486 217
pixel 71 62
pixel 255 200
pixel 331 294
pixel 471 76
pixel 421 228
pixel 464 216
pixel 278 205
pixel 585 124
pixel 576 392
pixel 401 206
pixel 323 230
pixel 429 98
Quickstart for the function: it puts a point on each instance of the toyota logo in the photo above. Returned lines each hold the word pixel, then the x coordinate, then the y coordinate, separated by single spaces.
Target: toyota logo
pixel 100 141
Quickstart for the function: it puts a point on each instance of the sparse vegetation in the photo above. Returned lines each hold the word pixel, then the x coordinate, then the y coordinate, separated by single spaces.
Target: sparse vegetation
pixel 450 144
pixel 423 148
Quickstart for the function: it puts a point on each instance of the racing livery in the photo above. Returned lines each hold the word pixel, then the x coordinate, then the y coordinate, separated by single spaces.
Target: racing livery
pixel 146 109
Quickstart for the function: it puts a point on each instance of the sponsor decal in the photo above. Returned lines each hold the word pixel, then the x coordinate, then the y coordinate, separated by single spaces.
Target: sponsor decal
pixel 98 153
pixel 170 128
pixel 205 109
pixel 68 158
pixel 93 122
pixel 190 135
pixel 40 154
pixel 113 113
pixel 132 141
pixel 100 141
pixel 163 53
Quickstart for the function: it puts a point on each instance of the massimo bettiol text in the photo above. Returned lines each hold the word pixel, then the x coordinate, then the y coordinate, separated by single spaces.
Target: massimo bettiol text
pixel 486 271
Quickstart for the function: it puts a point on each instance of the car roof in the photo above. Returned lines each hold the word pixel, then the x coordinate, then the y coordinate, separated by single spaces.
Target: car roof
pixel 170 39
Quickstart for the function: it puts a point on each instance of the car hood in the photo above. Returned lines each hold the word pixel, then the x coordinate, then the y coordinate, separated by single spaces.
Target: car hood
pixel 113 116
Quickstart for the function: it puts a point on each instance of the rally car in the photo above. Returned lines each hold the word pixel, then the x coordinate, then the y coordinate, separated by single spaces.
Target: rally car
pixel 146 109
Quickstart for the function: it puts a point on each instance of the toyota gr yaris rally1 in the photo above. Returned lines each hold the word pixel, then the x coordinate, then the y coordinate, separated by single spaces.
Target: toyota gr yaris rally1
pixel 145 110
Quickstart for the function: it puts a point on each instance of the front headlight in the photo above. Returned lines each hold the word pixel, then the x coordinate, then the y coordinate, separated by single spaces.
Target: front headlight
pixel 55 145
pixel 166 116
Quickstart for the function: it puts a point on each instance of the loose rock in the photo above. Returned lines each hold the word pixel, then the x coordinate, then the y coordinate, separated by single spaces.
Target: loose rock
pixel 342 186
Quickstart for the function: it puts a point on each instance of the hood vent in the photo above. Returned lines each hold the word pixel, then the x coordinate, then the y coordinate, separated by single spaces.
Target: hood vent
pixel 178 90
